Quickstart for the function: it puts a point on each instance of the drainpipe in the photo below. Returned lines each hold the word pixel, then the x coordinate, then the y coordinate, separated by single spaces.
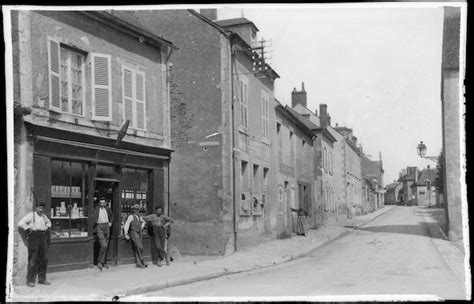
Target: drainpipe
pixel 234 211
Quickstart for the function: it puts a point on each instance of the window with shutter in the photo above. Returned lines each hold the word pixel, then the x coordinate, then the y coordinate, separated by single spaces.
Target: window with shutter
pixel 265 115
pixel 244 102
pixel 54 76
pixel 66 78
pixel 101 87
pixel 133 92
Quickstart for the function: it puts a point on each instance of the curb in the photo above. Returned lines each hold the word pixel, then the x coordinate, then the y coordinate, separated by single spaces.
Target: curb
pixel 159 286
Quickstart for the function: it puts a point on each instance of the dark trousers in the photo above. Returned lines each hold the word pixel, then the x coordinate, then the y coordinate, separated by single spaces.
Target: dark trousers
pixel 159 238
pixel 102 237
pixel 137 247
pixel 37 257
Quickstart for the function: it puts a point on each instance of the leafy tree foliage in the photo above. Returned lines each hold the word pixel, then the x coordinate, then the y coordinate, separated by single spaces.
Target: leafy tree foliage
pixel 439 180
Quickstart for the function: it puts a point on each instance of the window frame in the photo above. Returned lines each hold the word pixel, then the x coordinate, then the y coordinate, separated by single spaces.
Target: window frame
pixel 51 73
pixel 244 101
pixel 265 115
pixel 133 123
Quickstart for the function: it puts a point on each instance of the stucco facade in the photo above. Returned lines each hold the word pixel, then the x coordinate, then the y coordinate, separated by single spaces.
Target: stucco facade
pixel 69 70
pixel 223 177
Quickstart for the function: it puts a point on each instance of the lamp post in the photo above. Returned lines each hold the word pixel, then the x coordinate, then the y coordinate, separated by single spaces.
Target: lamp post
pixel 421 150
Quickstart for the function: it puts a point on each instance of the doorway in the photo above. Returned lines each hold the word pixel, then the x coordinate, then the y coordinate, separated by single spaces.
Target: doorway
pixel 108 188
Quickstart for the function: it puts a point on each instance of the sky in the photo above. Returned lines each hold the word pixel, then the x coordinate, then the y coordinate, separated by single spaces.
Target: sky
pixel 378 69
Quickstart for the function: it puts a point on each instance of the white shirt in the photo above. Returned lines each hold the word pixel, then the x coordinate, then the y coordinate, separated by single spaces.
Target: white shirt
pixel 126 226
pixel 103 217
pixel 35 222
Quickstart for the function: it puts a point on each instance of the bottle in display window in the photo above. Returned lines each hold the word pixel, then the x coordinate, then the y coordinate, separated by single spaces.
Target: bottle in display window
pixel 68 200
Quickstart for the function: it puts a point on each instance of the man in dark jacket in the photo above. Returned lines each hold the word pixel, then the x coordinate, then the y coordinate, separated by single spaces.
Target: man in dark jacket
pixel 102 219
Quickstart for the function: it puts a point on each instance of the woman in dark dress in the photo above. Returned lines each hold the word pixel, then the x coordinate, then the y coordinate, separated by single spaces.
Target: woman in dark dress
pixel 300 221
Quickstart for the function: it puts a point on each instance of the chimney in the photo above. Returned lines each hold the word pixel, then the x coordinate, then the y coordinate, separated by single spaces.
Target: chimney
pixel 209 13
pixel 323 115
pixel 329 120
pixel 298 97
pixel 316 112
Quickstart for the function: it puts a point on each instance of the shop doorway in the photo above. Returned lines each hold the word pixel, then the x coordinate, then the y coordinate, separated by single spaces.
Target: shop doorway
pixel 108 188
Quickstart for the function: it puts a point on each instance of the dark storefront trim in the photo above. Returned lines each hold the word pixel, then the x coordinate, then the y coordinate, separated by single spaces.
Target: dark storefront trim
pixel 93 168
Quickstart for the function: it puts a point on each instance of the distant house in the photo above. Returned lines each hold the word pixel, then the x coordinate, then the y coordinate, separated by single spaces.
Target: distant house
pixel 408 178
pixel 372 170
pixel 425 192
pixel 393 192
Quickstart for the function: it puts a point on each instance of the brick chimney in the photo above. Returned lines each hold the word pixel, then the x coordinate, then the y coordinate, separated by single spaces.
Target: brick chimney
pixel 209 13
pixel 323 115
pixel 298 97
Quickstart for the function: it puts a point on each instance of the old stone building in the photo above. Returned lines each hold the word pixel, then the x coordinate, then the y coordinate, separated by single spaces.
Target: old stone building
pixel 452 110
pixel 222 124
pixel 92 96
pixel 295 179
pixel 392 193
pixel 347 169
pixel 425 192
pixel 408 177
pixel 372 190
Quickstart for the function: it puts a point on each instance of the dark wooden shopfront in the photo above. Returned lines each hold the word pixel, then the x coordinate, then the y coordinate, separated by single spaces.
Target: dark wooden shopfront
pixel 70 176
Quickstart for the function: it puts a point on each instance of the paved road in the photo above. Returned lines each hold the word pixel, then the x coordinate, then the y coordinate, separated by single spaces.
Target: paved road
pixel 392 255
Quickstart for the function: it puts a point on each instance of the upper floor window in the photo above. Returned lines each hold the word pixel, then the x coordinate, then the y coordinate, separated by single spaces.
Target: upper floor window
pixel 66 76
pixel 243 97
pixel 67 81
pixel 133 87
pixel 265 115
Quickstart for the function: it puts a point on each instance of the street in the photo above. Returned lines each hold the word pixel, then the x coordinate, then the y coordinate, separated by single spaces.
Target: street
pixel 392 255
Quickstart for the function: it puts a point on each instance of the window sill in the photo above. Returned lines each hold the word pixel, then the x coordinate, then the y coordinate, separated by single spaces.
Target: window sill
pixel 243 131
pixel 84 239
pixel 266 141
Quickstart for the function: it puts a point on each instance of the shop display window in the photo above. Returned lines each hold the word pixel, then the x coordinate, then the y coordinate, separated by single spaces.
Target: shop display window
pixel 134 191
pixel 68 199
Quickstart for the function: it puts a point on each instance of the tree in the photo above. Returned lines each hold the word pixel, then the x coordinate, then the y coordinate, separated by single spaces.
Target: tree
pixel 439 180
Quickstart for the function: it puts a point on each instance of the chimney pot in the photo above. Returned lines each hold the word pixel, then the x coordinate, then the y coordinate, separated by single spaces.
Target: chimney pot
pixel 323 115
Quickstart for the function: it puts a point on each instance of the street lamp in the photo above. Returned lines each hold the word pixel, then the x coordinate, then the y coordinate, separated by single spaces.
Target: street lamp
pixel 421 149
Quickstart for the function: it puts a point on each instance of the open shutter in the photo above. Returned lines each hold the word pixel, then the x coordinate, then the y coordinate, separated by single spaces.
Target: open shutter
pixel 101 87
pixel 127 88
pixel 54 75
pixel 140 100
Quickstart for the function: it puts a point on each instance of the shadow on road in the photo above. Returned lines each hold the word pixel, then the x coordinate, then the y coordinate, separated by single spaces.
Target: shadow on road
pixel 420 229
pixel 437 214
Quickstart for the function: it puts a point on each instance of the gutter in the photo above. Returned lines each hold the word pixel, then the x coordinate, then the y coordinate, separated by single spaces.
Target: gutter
pixel 125 27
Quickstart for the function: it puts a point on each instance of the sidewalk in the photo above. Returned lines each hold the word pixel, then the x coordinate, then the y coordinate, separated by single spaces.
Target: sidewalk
pixel 125 280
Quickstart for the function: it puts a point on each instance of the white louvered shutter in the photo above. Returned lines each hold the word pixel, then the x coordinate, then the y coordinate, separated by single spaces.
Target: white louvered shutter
pixel 140 100
pixel 101 87
pixel 127 85
pixel 54 75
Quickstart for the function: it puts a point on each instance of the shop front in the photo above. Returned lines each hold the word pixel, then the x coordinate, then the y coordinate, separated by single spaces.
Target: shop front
pixel 72 171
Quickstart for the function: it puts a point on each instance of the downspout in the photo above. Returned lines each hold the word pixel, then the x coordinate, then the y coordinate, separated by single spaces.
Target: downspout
pixel 345 180
pixel 234 204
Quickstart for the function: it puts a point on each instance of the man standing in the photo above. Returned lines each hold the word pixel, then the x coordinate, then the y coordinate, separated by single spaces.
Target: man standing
pixel 35 224
pixel 133 230
pixel 160 223
pixel 102 219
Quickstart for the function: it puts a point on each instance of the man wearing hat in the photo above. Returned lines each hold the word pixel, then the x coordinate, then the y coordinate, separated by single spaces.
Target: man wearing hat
pixel 102 219
pixel 133 230
pixel 35 224
pixel 160 223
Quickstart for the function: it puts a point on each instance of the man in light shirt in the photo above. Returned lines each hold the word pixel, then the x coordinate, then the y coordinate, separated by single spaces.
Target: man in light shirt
pixel 102 219
pixel 133 229
pixel 35 224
